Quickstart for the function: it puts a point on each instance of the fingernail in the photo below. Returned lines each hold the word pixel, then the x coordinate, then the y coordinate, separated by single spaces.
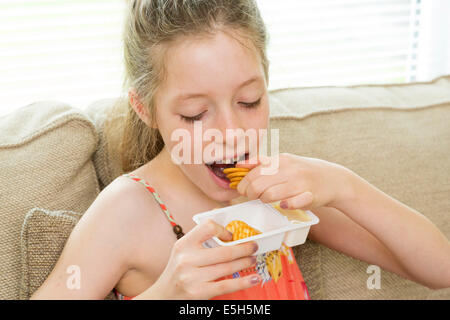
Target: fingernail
pixel 283 205
pixel 255 247
pixel 254 280
pixel 253 260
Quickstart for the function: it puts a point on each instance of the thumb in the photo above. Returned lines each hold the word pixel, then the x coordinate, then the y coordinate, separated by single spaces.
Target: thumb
pixel 206 230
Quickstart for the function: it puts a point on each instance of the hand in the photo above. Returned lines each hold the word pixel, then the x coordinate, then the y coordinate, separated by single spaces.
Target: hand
pixel 192 269
pixel 299 183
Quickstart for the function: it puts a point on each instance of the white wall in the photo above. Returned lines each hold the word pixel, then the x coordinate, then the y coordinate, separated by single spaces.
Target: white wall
pixel 434 40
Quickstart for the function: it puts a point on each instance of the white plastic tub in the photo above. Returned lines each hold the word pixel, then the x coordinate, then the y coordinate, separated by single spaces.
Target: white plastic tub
pixel 275 227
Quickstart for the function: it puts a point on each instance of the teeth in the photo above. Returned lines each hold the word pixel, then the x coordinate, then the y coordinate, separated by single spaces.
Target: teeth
pixel 231 160
pixel 241 158
pixel 226 161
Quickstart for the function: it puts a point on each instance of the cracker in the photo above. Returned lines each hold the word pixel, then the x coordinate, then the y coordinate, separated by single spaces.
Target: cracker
pixel 241 230
pixel 233 185
pixel 236 174
pixel 231 170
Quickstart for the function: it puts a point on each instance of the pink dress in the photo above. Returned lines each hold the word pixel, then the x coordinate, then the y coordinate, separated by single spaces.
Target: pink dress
pixel 278 269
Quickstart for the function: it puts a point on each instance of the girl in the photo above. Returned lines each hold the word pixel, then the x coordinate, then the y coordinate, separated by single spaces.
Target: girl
pixel 205 60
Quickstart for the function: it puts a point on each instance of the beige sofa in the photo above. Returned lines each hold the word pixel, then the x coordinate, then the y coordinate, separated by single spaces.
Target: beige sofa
pixel 55 160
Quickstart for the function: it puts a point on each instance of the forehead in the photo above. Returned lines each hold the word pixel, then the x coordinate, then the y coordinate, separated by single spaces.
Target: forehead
pixel 212 65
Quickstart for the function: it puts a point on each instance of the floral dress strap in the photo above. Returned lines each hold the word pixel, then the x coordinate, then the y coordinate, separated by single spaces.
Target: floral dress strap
pixel 176 227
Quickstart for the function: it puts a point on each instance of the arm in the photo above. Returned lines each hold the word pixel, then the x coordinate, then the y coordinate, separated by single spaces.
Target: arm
pixel 356 218
pixel 400 238
pixel 97 246
pixel 338 232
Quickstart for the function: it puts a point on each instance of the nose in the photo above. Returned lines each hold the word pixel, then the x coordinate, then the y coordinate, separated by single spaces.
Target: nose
pixel 231 125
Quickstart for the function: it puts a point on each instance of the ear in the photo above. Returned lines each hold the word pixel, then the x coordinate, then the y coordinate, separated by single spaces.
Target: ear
pixel 138 106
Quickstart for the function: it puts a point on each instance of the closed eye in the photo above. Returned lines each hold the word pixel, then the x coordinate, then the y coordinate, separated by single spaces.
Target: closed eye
pixel 252 104
pixel 194 118
pixel 197 117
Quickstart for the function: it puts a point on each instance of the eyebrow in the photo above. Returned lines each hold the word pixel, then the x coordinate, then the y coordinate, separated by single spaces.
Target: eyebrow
pixel 187 96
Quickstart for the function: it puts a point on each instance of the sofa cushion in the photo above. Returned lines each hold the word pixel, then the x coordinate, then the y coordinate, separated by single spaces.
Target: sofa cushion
pixel 42 239
pixel 43 236
pixel 45 152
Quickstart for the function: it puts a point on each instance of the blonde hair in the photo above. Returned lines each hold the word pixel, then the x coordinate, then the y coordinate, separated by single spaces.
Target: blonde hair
pixel 150 27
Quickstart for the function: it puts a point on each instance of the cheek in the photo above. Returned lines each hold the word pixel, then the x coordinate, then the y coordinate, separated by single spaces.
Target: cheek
pixel 261 122
pixel 259 118
pixel 182 144
pixel 167 126
pixel 193 171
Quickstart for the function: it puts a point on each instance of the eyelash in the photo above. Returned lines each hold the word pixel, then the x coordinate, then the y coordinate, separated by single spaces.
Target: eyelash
pixel 199 116
pixel 252 104
pixel 192 119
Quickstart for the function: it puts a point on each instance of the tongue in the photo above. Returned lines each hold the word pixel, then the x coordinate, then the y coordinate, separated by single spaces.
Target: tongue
pixel 217 169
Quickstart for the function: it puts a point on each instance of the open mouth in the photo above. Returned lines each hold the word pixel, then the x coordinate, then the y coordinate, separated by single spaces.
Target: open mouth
pixel 217 166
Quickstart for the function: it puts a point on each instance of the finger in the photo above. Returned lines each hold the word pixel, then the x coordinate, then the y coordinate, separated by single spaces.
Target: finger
pixel 253 162
pixel 204 231
pixel 278 192
pixel 254 183
pixel 217 271
pixel 231 285
pixel 225 235
pixel 257 172
pixel 210 256
pixel 302 201
pixel 259 185
pixel 249 177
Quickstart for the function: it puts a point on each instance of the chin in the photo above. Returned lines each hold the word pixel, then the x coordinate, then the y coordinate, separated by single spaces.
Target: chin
pixel 215 191
pixel 221 195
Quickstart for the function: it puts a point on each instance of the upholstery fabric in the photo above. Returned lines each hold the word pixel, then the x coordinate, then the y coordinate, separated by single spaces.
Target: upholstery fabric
pixel 43 236
pixel 45 159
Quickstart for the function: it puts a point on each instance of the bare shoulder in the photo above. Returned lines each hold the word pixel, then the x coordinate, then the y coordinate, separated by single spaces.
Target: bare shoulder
pixel 121 215
pixel 138 208
pixel 127 203
pixel 146 233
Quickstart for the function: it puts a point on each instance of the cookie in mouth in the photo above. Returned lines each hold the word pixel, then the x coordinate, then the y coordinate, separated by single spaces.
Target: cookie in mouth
pixel 235 175
pixel 217 167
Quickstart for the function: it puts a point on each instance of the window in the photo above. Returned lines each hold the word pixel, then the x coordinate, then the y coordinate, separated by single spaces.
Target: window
pixel 325 42
pixel 65 50
pixel 328 42
pixel 70 50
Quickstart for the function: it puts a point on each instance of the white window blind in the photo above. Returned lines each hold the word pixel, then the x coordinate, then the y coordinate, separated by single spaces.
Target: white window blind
pixel 70 50
pixel 330 42
pixel 66 50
